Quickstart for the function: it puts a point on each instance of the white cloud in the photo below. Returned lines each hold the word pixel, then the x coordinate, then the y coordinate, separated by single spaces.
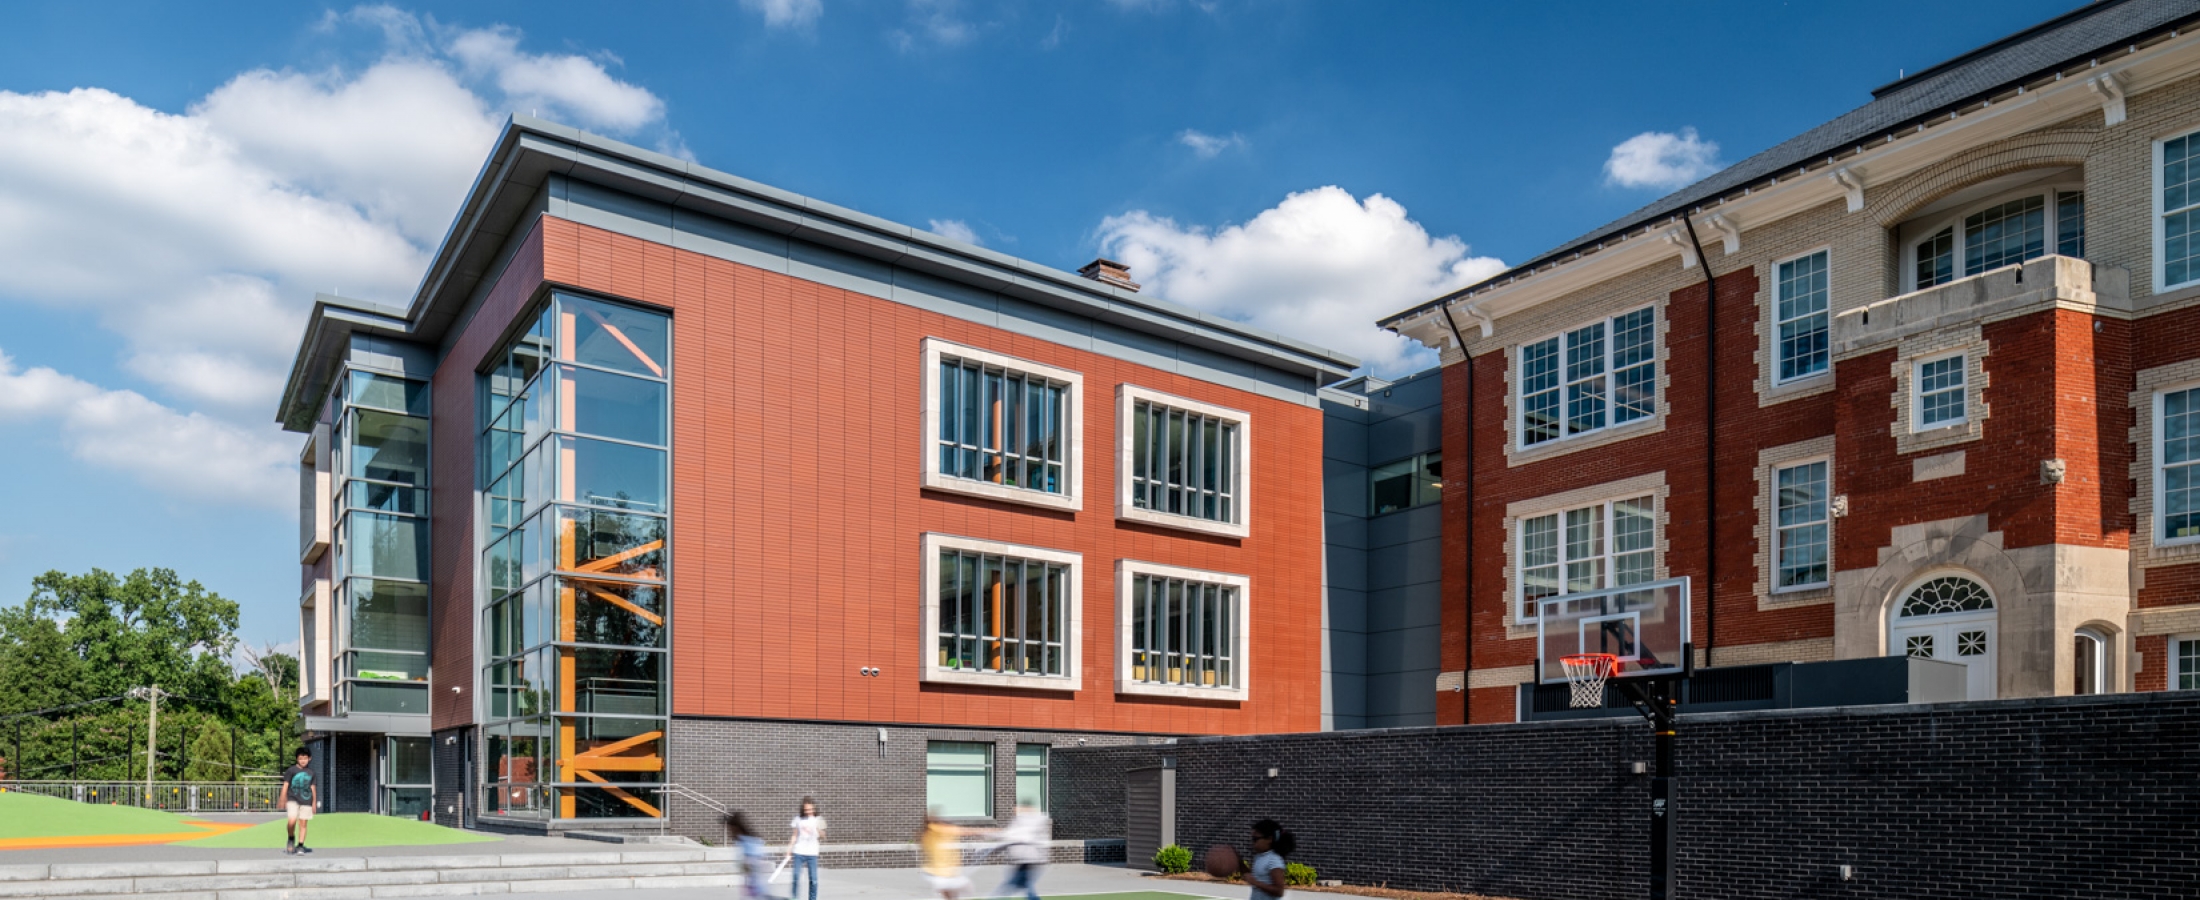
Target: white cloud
pixel 573 85
pixel 1208 146
pixel 198 239
pixel 1662 160
pixel 189 454
pixel 933 22
pixel 1321 266
pixel 786 13
pixel 953 229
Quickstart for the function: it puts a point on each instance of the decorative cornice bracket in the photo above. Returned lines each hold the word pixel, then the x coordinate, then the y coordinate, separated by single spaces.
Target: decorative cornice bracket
pixel 1852 184
pixel 2109 86
pixel 1675 237
pixel 1731 232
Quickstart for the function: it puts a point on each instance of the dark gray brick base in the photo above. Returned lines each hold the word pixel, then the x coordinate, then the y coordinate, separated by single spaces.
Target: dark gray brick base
pixel 2072 797
pixel 870 792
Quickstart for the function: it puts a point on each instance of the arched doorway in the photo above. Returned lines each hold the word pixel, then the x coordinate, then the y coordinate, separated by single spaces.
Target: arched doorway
pixel 1951 618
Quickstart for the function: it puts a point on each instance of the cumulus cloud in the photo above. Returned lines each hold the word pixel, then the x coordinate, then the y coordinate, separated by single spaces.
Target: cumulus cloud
pixel 786 13
pixel 1208 146
pixel 937 23
pixel 188 454
pixel 1662 160
pixel 1321 266
pixel 199 238
pixel 953 229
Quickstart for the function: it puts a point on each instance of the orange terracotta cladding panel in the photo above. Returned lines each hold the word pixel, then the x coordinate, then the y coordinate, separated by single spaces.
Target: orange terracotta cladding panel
pixel 798 514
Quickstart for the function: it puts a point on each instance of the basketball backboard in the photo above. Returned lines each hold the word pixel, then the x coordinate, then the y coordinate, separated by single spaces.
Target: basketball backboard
pixel 1644 625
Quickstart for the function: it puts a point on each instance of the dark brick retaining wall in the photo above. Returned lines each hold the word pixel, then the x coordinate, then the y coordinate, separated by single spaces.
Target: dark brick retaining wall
pixel 2071 797
pixel 869 792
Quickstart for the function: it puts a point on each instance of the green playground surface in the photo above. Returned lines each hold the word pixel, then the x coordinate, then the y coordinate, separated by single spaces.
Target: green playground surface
pixel 334 830
pixel 33 816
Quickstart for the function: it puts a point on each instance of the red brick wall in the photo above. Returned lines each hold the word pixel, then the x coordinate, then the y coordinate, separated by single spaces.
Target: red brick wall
pixel 797 412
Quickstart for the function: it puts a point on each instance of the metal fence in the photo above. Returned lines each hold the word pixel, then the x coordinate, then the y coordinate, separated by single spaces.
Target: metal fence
pixel 174 796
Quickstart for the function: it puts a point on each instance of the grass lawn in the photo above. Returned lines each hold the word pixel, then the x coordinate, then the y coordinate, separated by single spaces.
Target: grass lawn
pixel 333 830
pixel 32 816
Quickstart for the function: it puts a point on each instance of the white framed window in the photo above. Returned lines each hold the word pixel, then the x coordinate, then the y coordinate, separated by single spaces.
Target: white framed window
pixel 1002 615
pixel 2176 211
pixel 1002 428
pixel 1802 528
pixel 1938 392
pixel 1585 548
pixel 1984 235
pixel 958 779
pixel 2177 465
pixel 1801 312
pixel 1181 463
pixel 2089 663
pixel 1589 379
pixel 2184 662
pixel 1181 632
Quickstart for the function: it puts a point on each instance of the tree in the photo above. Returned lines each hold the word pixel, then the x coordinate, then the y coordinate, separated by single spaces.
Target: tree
pixel 209 760
pixel 38 670
pixel 148 628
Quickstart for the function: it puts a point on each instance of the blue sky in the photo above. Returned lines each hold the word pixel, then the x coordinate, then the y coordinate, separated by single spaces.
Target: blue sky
pixel 177 179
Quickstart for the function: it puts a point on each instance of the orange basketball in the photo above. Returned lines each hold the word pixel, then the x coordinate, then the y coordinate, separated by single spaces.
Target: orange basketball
pixel 1222 860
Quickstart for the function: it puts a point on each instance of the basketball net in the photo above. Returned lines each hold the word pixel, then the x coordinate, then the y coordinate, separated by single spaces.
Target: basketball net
pixel 1585 674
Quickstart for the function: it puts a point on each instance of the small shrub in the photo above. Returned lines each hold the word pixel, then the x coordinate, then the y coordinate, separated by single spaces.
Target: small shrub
pixel 1173 859
pixel 1299 875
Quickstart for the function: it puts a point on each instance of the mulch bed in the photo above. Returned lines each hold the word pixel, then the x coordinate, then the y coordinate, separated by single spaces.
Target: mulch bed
pixel 1358 890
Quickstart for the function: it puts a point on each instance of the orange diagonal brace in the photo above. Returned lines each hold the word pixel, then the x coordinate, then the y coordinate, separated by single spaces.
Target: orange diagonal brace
pixel 625 604
pixel 620 557
pixel 620 336
pixel 631 800
pixel 609 749
pixel 621 763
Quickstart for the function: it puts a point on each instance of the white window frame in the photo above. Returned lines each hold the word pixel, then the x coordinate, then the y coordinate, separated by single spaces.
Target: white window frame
pixel 1916 232
pixel 1777 544
pixel 2174 665
pixel 1126 572
pixel 2158 461
pixel 1127 397
pixel 1073 643
pixel 1826 311
pixel 2154 203
pixel 2101 669
pixel 1609 375
pixel 1073 446
pixel 1917 391
pixel 1523 611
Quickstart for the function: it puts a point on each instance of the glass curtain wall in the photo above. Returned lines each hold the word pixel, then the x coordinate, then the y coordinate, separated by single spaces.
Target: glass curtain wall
pixel 575 426
pixel 380 446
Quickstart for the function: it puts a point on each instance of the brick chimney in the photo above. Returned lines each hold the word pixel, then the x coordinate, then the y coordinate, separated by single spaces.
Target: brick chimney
pixel 1108 271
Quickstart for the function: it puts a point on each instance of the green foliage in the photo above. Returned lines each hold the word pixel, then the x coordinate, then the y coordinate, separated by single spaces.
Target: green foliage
pixel 1299 874
pixel 149 628
pixel 85 638
pixel 1173 859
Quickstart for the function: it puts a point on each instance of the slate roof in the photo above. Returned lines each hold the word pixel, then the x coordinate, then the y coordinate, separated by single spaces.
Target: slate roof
pixel 2050 46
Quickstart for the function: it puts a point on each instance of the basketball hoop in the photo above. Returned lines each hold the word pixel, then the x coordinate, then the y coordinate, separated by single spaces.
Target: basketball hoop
pixel 1585 674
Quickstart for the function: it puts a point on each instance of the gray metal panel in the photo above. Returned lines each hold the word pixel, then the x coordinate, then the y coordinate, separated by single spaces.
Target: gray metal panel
pixel 840 268
pixel 1398 437
pixel 1410 606
pixel 1351 699
pixel 615 210
pixel 1349 655
pixel 1348 569
pixel 1343 529
pixel 1401 699
pixel 1347 611
pixel 729 240
pixel 401 358
pixel 1421 523
pixel 1045 323
pixel 1403 564
pixel 1402 650
pixel 1344 486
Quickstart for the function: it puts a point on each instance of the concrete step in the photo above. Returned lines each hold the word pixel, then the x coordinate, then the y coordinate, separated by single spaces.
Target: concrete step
pixel 368 878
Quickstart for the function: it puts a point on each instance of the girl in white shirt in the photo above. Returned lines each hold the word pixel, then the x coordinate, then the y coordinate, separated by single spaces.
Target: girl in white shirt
pixel 809 832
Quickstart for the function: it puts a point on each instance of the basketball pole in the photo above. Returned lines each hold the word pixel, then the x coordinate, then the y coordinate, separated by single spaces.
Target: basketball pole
pixel 1658 700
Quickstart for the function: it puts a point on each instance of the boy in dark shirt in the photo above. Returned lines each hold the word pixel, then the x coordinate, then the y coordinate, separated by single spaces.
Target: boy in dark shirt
pixel 300 796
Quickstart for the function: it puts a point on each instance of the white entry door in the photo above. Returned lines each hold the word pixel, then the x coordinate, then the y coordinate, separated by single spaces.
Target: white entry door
pixel 1964 638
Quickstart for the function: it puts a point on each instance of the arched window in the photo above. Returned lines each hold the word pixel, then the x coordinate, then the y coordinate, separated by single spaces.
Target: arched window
pixel 1993 225
pixel 1947 594
pixel 2091 663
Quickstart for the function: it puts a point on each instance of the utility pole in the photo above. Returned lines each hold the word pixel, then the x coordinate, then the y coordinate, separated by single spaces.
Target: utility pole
pixel 152 734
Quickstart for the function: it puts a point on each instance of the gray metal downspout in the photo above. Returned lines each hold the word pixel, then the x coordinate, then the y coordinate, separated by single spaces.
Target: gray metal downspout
pixel 1466 478
pixel 1710 448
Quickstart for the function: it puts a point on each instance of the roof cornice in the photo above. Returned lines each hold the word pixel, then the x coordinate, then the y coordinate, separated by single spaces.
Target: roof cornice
pixel 2021 104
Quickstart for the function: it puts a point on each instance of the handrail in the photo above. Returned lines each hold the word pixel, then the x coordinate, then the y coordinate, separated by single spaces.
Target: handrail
pixel 683 791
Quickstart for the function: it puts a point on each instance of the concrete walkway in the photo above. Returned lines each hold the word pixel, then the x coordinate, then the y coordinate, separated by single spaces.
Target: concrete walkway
pixel 1064 880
